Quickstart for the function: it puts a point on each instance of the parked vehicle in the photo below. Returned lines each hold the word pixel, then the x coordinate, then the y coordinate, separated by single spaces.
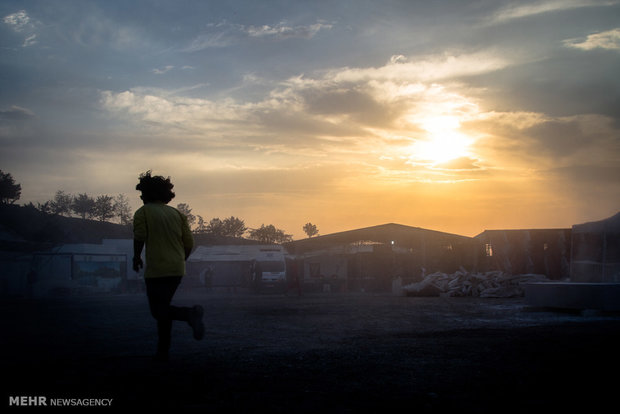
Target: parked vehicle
pixel 271 264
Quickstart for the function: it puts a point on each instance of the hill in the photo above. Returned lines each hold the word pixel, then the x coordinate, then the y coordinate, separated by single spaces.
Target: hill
pixel 25 227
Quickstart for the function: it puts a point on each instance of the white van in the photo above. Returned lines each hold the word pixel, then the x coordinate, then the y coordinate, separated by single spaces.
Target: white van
pixel 273 266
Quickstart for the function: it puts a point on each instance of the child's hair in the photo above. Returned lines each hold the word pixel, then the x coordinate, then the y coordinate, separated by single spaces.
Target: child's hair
pixel 155 188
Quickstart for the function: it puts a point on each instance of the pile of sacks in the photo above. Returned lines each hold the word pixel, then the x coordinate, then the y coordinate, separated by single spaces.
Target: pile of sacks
pixel 495 284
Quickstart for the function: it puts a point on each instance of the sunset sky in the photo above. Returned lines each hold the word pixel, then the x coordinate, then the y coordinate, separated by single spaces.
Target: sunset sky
pixel 456 116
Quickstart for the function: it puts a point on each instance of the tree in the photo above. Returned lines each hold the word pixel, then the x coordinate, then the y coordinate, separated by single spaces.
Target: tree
pixel 187 212
pixel 201 227
pixel 231 227
pixel 270 234
pixel 9 191
pixel 45 207
pixel 122 209
pixel 310 229
pixel 83 205
pixel 216 227
pixel 104 209
pixel 61 204
pixel 234 227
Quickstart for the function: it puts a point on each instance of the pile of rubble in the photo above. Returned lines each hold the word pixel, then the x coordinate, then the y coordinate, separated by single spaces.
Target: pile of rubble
pixel 495 284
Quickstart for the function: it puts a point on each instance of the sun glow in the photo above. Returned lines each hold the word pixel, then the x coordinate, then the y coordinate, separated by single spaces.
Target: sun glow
pixel 443 141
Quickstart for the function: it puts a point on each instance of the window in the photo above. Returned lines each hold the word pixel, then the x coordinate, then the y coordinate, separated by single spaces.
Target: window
pixel 488 249
pixel 99 265
pixel 272 266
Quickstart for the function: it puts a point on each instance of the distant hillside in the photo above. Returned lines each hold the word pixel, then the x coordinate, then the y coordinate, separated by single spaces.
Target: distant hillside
pixel 27 224
pixel 23 226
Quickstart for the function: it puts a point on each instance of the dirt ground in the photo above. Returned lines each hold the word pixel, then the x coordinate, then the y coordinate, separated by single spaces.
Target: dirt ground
pixel 316 353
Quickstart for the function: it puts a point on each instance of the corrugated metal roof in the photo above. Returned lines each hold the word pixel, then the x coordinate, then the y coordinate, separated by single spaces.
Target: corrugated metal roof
pixel 386 233
pixel 230 253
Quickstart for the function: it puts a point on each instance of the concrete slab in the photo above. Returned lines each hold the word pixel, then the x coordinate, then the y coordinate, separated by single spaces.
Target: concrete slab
pixel 569 295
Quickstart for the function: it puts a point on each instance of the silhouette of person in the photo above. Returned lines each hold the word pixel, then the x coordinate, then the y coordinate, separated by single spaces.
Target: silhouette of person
pixel 295 282
pixel 169 242
pixel 206 277
pixel 257 274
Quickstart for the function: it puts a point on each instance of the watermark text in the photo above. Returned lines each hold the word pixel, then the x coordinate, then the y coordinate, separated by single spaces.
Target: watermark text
pixel 43 401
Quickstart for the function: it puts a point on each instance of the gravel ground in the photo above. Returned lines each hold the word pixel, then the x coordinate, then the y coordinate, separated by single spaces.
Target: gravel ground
pixel 328 352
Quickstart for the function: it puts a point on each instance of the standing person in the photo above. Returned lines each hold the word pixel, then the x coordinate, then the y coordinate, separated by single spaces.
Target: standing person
pixel 206 277
pixel 258 276
pixel 169 242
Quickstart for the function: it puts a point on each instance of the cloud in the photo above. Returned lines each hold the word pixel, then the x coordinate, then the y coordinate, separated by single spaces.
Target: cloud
pixel 519 11
pixel 163 70
pixel 332 103
pixel 461 164
pixel 15 130
pixel 559 137
pixel 30 40
pixel 342 112
pixel 402 170
pixel 528 143
pixel 145 106
pixel 284 31
pixel 16 113
pixel 604 40
pixel 588 173
pixel 372 120
pixel 276 180
pixel 21 23
pixel 224 34
pixel 359 105
pixel 426 68
pixel 17 21
pixel 215 36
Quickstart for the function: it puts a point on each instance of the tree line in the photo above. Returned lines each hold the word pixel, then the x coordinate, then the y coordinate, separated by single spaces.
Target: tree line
pixel 106 207
pixel 235 227
pixel 102 207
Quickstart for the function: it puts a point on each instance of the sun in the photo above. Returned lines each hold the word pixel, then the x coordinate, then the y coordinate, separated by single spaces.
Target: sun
pixel 443 141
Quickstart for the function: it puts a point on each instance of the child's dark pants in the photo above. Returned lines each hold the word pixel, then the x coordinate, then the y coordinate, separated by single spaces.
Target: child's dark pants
pixel 159 291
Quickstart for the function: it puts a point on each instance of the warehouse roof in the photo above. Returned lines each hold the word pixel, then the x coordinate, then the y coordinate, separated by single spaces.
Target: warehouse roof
pixel 390 233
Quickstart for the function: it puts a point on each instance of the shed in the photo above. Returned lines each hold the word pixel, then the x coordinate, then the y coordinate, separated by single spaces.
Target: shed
pixel 540 251
pixel 371 258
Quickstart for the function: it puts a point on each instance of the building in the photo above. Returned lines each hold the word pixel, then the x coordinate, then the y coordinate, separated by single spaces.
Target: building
pixel 71 268
pixel 594 271
pixel 225 267
pixel 596 251
pixel 370 259
pixel 540 251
